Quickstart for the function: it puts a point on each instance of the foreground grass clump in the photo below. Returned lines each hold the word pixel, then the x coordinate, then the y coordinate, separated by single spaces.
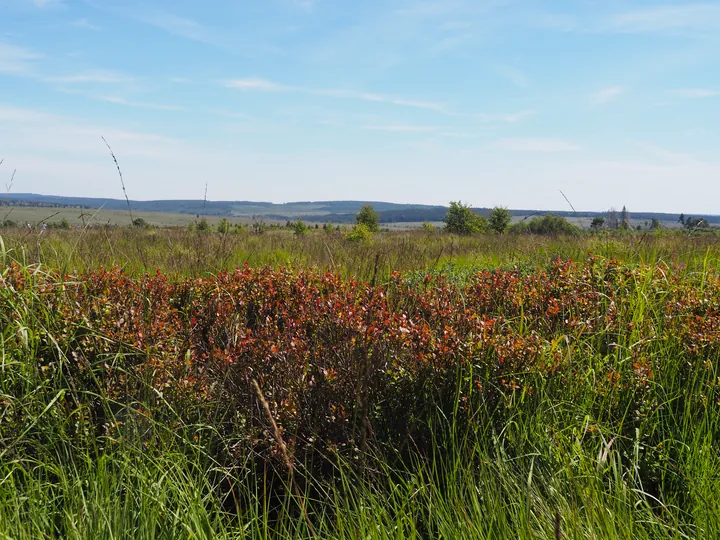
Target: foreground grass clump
pixel 579 398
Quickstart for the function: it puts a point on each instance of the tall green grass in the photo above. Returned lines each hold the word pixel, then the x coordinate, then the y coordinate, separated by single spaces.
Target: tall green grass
pixel 556 460
pixel 183 252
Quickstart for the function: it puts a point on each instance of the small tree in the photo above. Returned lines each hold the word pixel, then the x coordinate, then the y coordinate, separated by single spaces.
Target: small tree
pixel 359 233
pixel 624 219
pixel 460 219
pixel 299 227
pixel 224 226
pixel 499 219
pixel 258 226
pixel 692 223
pixel 681 219
pixel 428 227
pixel 368 216
pixel 655 224
pixel 597 223
pixel 202 225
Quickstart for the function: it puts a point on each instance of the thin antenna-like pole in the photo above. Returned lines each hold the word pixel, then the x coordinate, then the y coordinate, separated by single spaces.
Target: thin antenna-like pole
pixel 205 199
pixel 122 182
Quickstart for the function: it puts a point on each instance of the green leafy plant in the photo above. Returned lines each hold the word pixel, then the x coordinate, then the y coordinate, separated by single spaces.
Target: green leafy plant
pixel 499 219
pixel 460 219
pixel 368 217
pixel 300 228
pixel 359 233
pixel 223 226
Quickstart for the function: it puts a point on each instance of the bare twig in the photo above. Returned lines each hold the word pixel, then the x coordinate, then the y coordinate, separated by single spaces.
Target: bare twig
pixel 122 182
pixel 558 532
pixel 8 187
pixel 568 201
pixel 286 456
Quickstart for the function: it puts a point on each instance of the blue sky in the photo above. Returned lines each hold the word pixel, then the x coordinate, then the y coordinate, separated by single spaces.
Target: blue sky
pixel 493 102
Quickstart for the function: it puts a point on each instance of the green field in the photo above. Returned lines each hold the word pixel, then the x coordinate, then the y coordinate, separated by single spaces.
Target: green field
pixel 80 217
pixel 174 383
pixel 244 214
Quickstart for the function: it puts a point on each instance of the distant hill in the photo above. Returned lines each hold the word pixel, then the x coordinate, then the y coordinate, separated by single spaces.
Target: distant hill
pixel 317 211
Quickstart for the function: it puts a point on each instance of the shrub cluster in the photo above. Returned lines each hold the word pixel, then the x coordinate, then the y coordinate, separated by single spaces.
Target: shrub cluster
pixel 341 363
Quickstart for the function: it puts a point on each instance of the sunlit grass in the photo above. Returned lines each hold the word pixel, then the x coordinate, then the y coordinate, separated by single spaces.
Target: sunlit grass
pixel 570 455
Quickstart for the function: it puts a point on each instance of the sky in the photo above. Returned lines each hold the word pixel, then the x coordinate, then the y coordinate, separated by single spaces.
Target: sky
pixel 490 102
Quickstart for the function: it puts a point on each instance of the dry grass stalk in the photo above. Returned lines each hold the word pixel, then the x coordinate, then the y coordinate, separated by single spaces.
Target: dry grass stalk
pixel 286 455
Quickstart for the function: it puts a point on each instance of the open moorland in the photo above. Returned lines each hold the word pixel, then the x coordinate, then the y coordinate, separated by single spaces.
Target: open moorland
pixel 186 383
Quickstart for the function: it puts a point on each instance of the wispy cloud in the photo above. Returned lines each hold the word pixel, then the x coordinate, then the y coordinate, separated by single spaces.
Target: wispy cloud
pixel 48 3
pixel 510 118
pixel 455 134
pixel 665 156
pixel 139 105
pixel 433 9
pixel 260 85
pixel 304 5
pixel 263 85
pixel 695 93
pixel 228 114
pixel 37 131
pixel 606 95
pixel 185 27
pixel 534 144
pixel 16 60
pixel 402 128
pixel 669 17
pixel 94 77
pixel 514 75
pixel 84 23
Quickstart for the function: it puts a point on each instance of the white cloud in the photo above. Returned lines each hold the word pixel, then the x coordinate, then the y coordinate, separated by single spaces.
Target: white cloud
pixel 17 60
pixel 441 8
pixel 455 134
pixel 514 75
pixel 139 105
pixel 260 85
pixel 606 95
pixel 304 5
pixel 48 3
pixel 263 85
pixel 228 114
pixel 669 17
pixel 667 157
pixel 695 93
pixel 30 131
pixel 95 77
pixel 399 128
pixel 510 118
pixel 180 26
pixel 84 23
pixel 532 144
pixel 65 155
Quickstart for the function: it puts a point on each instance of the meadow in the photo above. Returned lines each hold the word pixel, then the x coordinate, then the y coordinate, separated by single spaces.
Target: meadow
pixel 171 383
